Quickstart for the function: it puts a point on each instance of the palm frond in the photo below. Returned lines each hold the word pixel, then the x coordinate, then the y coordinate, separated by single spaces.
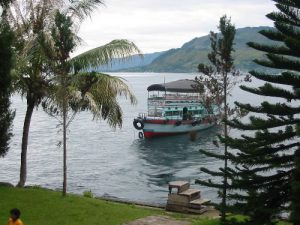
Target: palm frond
pixel 99 94
pixel 117 49
pixel 81 9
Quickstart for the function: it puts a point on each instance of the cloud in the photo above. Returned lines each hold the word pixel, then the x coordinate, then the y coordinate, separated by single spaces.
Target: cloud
pixel 156 25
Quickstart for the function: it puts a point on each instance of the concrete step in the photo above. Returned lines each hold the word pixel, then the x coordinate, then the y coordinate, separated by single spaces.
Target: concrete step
pixel 198 203
pixel 191 193
pixel 198 211
pixel 180 185
pixel 175 199
pixel 177 208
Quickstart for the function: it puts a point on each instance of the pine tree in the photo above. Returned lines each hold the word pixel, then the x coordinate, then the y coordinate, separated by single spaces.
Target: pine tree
pixel 264 170
pixel 76 88
pixel 295 216
pixel 64 44
pixel 216 83
pixel 6 54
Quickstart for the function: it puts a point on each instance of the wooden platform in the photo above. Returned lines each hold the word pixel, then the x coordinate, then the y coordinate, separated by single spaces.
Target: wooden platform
pixel 180 185
pixel 186 199
pixel 192 194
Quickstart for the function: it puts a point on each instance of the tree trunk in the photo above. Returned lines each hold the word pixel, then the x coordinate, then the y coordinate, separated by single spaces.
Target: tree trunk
pixel 224 194
pixel 65 115
pixel 27 120
pixel 65 148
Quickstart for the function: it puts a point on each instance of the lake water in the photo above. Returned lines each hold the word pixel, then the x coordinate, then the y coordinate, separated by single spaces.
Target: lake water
pixel 112 162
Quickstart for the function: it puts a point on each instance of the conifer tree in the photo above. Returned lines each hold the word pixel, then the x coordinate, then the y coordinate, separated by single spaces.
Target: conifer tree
pixel 64 44
pixel 264 170
pixel 295 216
pixel 76 88
pixel 6 54
pixel 216 83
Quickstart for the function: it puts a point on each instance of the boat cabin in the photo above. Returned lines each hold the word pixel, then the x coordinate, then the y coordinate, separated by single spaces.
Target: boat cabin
pixel 177 100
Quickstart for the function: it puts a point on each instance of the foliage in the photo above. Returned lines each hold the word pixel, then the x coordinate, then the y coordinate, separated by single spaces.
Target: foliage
pixel 77 88
pixel 295 217
pixel 33 22
pixel 214 84
pixel 46 207
pixel 4 3
pixel 264 162
pixel 31 73
pixel 88 194
pixel 206 222
pixel 63 45
pixel 6 63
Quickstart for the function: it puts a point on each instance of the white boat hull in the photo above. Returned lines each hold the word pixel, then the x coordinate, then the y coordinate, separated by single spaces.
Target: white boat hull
pixel 158 128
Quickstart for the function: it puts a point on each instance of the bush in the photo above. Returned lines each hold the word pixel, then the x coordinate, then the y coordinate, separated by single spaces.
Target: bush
pixel 88 194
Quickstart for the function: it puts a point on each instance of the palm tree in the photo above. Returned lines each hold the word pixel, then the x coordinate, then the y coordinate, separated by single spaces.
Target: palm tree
pixel 35 78
pixel 77 88
pixel 32 77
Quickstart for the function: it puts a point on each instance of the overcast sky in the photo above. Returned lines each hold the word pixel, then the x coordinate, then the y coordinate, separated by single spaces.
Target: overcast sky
pixel 157 25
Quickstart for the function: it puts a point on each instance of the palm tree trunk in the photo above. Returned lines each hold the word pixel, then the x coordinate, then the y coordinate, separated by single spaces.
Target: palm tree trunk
pixel 27 120
pixel 65 114
pixel 65 148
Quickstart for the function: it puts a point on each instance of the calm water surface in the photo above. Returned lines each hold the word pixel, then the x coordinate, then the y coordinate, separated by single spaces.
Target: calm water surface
pixel 111 162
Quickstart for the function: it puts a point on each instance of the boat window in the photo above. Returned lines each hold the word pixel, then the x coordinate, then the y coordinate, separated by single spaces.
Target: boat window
pixel 168 113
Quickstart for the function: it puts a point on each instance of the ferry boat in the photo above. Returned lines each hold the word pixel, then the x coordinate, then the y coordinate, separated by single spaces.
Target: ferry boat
pixel 174 108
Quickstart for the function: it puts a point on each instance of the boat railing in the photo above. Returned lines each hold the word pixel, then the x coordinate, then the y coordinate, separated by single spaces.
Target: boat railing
pixel 174 97
pixel 181 103
pixel 180 98
pixel 142 115
pixel 154 118
pixel 172 102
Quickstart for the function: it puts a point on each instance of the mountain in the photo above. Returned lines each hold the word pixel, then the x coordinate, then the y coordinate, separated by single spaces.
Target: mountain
pixel 187 58
pixel 134 61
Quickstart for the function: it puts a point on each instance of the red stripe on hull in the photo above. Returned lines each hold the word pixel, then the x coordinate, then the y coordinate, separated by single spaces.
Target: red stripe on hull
pixel 155 121
pixel 172 122
pixel 157 134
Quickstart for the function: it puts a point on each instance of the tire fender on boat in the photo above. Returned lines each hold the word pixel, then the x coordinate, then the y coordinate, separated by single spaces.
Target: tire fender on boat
pixel 178 123
pixel 194 123
pixel 141 135
pixel 138 124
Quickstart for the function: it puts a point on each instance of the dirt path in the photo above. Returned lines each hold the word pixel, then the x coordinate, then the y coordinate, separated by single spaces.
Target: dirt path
pixel 158 220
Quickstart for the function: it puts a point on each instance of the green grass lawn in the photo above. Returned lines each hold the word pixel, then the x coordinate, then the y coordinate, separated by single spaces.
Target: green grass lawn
pixel 43 207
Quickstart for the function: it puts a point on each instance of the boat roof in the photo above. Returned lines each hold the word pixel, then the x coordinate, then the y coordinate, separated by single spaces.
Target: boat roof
pixel 184 85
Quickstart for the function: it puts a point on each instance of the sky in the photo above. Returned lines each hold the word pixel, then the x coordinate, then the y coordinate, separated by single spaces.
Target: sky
pixel 158 25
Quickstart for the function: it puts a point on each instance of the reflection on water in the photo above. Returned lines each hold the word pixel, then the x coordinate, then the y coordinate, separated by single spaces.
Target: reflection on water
pixel 176 157
pixel 175 151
